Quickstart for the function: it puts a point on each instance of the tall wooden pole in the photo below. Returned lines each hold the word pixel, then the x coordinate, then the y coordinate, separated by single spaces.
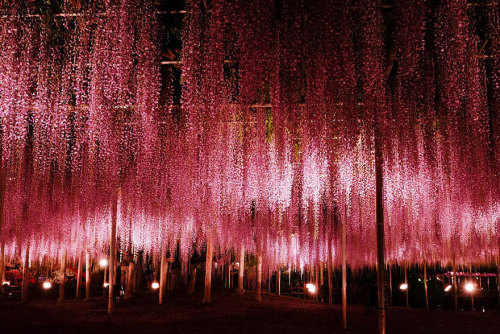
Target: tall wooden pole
pixel 2 266
pixel 104 279
pixel 112 251
pixel 241 270
pixel 344 269
pixel 321 278
pixel 258 290
pixel 88 275
pixel 330 278
pixel 2 241
pixel 407 287
pixel 208 270
pixel 379 208
pixel 455 284
pixel 316 277
pixel 25 283
pixel 268 279
pixel 278 281
pixel 425 287
pixel 78 275
pixel 129 291
pixel 62 278
pixel 192 280
pixel 389 299
pixel 163 274
pixel 498 274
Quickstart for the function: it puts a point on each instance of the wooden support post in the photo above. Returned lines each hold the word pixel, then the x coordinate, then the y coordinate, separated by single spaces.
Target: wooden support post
pixel 62 278
pixel 330 273
pixel 2 241
pixel 88 275
pixel 78 275
pixel 208 270
pixel 258 290
pixel 389 299
pixel 407 287
pixel 379 211
pixel 278 281
pixel 163 275
pixel 225 274
pixel 425 287
pixel 192 280
pixel 455 284
pixel 241 271
pixel 268 279
pixel 471 294
pixel 25 283
pixel 321 278
pixel 112 251
pixel 498 276
pixel 316 277
pixel 344 269
pixel 104 280
pixel 129 291
pixel 2 266
pixel 139 277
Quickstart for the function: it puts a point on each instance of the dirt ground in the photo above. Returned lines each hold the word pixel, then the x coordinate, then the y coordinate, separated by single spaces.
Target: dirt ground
pixel 228 313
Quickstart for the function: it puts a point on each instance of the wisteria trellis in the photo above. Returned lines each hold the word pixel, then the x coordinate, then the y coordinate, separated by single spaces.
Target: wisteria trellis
pixel 277 158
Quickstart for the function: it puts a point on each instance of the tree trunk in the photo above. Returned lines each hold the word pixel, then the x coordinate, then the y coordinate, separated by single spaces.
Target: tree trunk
pixel 208 271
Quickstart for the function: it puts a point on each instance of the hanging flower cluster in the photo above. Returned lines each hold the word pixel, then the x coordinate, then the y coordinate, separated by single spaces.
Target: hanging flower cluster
pixel 273 146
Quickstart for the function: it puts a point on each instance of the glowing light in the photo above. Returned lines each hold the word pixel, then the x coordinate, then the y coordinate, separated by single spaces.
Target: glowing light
pixel 311 288
pixel 403 287
pixel 103 263
pixel 105 285
pixel 47 285
pixel 155 285
pixel 448 288
pixel 6 283
pixel 470 287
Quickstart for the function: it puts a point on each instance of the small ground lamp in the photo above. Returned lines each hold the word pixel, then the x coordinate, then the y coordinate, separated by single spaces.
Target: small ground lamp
pixel 311 288
pixel 46 287
pixel 155 285
pixel 448 288
pixel 403 287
